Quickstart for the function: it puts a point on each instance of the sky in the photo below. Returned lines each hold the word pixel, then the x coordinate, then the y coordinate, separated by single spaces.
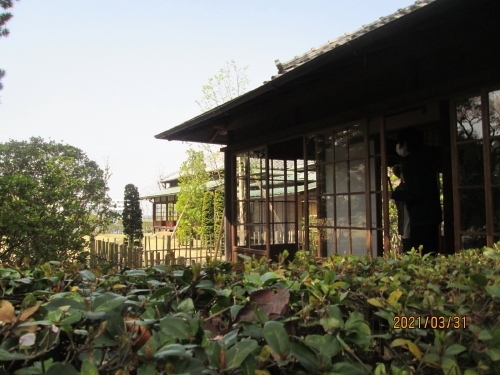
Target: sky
pixel 107 76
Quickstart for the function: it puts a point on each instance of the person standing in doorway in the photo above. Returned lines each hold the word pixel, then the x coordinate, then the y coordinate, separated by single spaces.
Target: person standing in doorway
pixel 421 192
pixel 403 217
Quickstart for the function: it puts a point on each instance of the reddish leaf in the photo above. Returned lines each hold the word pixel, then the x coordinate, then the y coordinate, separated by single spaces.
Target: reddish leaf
pixel 273 302
pixel 7 312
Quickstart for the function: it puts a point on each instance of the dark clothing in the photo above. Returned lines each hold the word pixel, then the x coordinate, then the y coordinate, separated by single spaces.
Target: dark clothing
pixel 425 235
pixel 406 244
pixel 400 206
pixel 421 195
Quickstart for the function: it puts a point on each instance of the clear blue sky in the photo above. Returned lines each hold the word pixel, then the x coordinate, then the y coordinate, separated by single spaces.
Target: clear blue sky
pixel 106 76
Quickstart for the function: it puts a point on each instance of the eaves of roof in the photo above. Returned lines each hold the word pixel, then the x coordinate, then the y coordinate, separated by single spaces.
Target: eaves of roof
pixel 288 66
pixel 176 190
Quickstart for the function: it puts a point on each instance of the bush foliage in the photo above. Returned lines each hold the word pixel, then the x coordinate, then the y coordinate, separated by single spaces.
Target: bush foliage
pixel 332 316
pixel 132 215
pixel 51 196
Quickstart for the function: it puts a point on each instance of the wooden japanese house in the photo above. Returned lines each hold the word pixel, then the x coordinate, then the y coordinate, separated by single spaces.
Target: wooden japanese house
pixel 328 121
pixel 165 215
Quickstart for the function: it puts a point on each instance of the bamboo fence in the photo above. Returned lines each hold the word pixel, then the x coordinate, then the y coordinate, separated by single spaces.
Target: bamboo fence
pixel 155 250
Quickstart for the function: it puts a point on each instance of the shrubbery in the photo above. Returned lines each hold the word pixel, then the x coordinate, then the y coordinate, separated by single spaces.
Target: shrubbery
pixel 333 316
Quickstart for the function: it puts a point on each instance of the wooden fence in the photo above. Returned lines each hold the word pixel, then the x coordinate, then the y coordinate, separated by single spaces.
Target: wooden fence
pixel 154 250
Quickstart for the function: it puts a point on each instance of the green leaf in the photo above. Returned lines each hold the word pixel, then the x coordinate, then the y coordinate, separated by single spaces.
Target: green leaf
pixel 29 371
pixel 108 301
pixel 394 297
pixel 269 277
pixel 454 349
pixel 235 309
pixel 172 350
pixel 277 338
pixel 147 369
pixel 484 335
pixel 494 354
pixel 175 327
pixel 87 275
pixel 493 290
pixel 135 273
pixel 470 372
pixel 94 315
pixel 55 304
pixel 249 366
pixel 346 368
pixel 329 324
pixel 88 368
pixel 160 292
pixel 450 367
pixel 479 279
pixel 458 286
pixel 253 278
pixel 59 368
pixel 305 356
pixel 326 345
pixel 380 370
pixel 186 306
pixel 239 352
pixel 8 356
pixel 434 288
pixel 375 302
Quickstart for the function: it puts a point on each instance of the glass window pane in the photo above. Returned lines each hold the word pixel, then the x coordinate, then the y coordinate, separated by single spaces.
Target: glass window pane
pixel 469 119
pixel 357 176
pixel 241 211
pixel 241 188
pixel 324 147
pixel 473 241
pixel 328 240
pixel 494 109
pixel 257 235
pixel 348 142
pixel 325 179
pixel 290 211
pixel 343 241
pixel 472 210
pixel 340 148
pixel 342 214
pixel 374 182
pixel 356 150
pixel 341 178
pixel 470 164
pixel 257 211
pixel 495 161
pixel 241 235
pixel 496 209
pixel 358 242
pixel 325 211
pixel 358 210
pixel 376 207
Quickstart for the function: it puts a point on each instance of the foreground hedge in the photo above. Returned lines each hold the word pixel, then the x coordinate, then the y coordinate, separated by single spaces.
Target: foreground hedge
pixel 344 315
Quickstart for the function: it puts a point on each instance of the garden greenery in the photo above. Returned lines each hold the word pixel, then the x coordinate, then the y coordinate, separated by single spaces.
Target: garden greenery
pixel 340 315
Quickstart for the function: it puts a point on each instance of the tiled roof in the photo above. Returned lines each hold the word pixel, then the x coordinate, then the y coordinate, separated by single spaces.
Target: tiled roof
pixel 347 37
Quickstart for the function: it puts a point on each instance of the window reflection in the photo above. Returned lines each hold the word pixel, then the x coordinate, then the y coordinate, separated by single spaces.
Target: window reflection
pixel 494 113
pixel 469 119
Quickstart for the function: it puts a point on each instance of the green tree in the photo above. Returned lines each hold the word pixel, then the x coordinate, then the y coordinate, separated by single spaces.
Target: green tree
pixel 229 83
pixel 193 178
pixel 51 196
pixel 132 215
pixel 4 18
pixel 207 227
